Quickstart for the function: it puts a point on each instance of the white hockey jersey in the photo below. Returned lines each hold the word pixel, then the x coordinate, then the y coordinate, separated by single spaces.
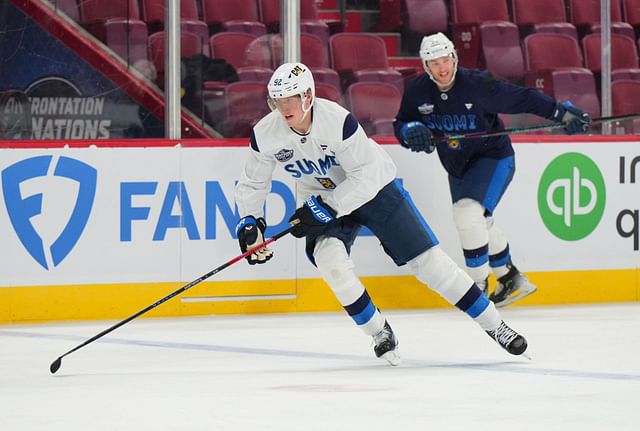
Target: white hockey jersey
pixel 335 160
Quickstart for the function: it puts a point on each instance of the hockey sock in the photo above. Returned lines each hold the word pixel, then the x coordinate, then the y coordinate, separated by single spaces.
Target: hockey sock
pixel 337 270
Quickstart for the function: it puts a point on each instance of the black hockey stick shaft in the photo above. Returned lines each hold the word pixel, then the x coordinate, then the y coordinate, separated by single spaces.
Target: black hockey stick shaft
pixel 481 135
pixel 55 365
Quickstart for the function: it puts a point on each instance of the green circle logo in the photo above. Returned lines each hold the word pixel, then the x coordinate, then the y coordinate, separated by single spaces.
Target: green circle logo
pixel 571 196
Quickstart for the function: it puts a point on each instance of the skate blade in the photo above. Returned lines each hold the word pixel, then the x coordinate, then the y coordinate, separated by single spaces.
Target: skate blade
pixel 392 357
pixel 521 293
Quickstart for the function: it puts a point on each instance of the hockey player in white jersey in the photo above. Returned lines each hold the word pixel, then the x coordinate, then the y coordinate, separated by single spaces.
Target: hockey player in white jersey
pixel 345 181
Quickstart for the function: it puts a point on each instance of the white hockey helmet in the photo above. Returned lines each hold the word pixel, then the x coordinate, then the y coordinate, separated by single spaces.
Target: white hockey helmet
pixel 435 46
pixel 291 79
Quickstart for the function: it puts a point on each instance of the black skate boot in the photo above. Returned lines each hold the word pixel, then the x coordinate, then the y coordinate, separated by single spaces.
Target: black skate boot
pixel 512 287
pixel 509 339
pixel 386 345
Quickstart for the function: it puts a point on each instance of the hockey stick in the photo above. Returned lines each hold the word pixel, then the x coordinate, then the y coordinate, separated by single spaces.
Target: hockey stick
pixel 481 135
pixel 55 365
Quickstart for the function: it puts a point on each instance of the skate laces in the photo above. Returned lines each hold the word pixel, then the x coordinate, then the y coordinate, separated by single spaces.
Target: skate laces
pixel 503 334
pixel 382 336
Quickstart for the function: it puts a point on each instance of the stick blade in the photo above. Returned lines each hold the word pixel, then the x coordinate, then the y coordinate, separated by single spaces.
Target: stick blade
pixel 55 365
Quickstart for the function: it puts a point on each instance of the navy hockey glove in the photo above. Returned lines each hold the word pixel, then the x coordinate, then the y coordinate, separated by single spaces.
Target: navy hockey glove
pixel 250 232
pixel 574 119
pixel 314 216
pixel 417 137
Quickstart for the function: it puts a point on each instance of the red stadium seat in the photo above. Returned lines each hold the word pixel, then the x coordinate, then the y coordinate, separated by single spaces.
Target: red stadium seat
pixel 587 12
pixel 477 11
pixel 255 74
pixel 625 99
pixel 546 51
pixel 632 12
pixel 542 16
pixel 270 13
pixel 327 91
pixel 501 50
pixel 578 86
pixel 373 101
pixel 556 27
pixel 361 56
pixel 467 15
pixel 190 45
pixel 233 47
pixel 217 12
pixel 526 12
pixel 153 12
pixel 313 52
pixel 94 13
pixel 246 104
pixel 128 38
pixel 426 16
pixel 624 53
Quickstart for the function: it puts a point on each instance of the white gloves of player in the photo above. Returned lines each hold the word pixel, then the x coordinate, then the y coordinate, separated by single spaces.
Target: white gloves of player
pixel 250 232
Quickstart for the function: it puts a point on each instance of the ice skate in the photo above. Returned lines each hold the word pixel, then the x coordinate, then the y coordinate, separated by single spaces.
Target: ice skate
pixel 511 288
pixel 509 340
pixel 386 345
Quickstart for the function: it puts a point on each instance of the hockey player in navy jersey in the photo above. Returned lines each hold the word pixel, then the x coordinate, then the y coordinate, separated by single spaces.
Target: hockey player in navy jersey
pixel 345 181
pixel 451 100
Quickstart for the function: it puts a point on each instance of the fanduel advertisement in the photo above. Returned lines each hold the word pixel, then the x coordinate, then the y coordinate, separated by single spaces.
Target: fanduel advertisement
pixel 116 215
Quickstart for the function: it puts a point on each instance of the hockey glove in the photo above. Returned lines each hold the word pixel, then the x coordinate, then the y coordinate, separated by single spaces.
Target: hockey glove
pixel 314 216
pixel 417 137
pixel 574 119
pixel 250 232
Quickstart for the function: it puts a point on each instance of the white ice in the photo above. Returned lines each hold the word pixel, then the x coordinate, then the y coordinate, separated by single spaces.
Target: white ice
pixel 318 372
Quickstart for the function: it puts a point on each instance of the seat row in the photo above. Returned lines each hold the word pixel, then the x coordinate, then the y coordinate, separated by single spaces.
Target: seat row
pixel 208 16
pixel 427 16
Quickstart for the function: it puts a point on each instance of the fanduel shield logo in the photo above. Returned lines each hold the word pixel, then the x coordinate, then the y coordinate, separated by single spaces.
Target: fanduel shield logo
pixel 22 208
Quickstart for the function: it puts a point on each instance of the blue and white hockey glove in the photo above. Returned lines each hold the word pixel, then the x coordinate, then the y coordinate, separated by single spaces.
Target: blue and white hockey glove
pixel 574 119
pixel 314 216
pixel 417 137
pixel 250 232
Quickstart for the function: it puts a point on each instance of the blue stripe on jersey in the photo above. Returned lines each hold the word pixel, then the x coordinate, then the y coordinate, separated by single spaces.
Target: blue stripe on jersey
pixel 417 213
pixel 500 259
pixel 476 257
pixel 349 127
pixel 362 310
pixel 254 144
pixel 474 302
pixel 499 182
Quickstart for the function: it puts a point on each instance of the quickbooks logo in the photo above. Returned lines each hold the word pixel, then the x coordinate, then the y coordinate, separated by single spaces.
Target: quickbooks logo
pixel 21 209
pixel 571 196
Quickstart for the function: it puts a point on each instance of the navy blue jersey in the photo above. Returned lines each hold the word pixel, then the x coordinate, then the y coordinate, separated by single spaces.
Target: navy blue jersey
pixel 471 105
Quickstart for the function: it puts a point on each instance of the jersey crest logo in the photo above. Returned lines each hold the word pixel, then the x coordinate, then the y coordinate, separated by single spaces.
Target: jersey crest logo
pixel 284 155
pixel 468 105
pixel 425 108
pixel 454 144
pixel 327 183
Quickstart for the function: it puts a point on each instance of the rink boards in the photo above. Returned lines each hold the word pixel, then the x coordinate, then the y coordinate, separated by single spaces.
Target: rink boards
pixel 100 231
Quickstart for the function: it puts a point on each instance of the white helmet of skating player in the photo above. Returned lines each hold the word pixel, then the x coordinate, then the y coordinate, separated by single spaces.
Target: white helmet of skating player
pixel 435 46
pixel 291 79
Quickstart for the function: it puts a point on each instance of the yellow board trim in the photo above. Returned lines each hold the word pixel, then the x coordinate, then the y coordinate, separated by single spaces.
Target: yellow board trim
pixel 118 301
